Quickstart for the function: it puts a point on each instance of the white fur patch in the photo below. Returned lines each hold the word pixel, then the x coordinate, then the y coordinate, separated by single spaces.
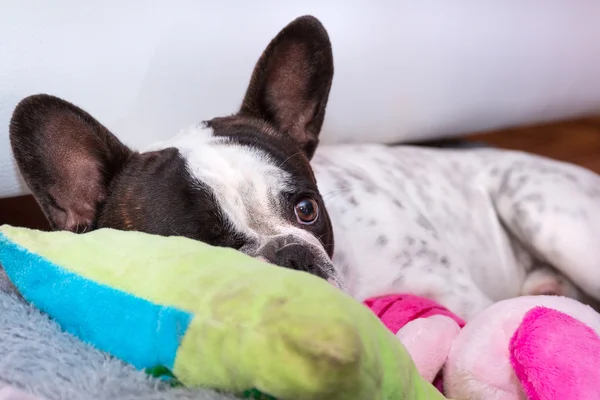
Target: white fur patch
pixel 246 182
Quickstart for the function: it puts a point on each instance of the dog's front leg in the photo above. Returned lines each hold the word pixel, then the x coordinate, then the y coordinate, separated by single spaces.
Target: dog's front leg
pixel 553 208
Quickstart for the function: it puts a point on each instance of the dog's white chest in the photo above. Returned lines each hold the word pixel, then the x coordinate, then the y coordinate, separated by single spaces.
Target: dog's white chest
pixel 416 220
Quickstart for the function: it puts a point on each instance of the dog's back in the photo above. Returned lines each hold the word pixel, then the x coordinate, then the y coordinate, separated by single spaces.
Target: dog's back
pixel 465 227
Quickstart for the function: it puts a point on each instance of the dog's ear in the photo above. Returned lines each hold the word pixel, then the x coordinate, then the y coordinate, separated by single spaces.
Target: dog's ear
pixel 291 81
pixel 67 159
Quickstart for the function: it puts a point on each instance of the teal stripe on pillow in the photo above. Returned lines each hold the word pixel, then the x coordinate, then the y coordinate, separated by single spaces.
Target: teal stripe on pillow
pixel 135 330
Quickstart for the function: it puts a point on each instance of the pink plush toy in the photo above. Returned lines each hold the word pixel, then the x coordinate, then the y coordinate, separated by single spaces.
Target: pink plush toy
pixel 535 347
pixel 424 327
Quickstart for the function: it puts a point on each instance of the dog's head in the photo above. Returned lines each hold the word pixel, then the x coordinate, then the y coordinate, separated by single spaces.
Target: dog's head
pixel 242 181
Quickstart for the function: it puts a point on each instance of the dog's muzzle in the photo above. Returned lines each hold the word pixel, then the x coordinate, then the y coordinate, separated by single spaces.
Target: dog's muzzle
pixel 289 252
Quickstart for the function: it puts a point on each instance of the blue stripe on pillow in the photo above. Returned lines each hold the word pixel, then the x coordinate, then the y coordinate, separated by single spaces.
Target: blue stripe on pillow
pixel 135 330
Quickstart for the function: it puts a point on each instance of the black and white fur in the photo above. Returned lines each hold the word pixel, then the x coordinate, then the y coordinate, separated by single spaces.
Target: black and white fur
pixel 463 227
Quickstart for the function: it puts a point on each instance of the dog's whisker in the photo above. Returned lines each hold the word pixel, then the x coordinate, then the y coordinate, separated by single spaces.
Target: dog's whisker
pixel 289 158
pixel 330 195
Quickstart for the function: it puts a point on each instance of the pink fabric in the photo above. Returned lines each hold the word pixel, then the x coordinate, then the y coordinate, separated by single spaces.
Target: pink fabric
pixel 556 357
pixel 428 341
pixel 395 311
pixel 438 382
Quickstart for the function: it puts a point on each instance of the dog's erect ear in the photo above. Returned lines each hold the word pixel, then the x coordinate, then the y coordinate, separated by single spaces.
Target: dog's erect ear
pixel 67 159
pixel 291 81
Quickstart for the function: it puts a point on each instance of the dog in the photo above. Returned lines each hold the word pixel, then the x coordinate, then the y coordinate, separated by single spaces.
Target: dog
pixel 463 227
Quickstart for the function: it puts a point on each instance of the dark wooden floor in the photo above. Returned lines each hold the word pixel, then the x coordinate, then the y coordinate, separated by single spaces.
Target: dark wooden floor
pixel 573 141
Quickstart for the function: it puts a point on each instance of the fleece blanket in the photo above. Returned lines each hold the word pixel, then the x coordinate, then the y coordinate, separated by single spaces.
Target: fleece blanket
pixel 40 362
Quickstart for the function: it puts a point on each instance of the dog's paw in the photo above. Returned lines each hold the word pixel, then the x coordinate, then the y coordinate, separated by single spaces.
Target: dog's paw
pixel 546 281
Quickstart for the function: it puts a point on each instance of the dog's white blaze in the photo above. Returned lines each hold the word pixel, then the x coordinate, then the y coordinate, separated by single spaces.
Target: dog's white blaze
pixel 245 181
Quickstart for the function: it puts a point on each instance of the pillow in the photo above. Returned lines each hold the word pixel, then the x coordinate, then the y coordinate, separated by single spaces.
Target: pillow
pixel 210 316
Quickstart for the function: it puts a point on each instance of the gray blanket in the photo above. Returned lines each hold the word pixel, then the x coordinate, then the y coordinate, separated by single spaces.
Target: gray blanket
pixel 36 356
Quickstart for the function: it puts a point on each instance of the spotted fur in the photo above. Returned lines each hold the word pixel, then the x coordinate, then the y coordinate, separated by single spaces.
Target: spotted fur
pixel 465 227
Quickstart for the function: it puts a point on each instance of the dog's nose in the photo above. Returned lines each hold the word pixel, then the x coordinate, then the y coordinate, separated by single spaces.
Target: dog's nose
pixel 294 256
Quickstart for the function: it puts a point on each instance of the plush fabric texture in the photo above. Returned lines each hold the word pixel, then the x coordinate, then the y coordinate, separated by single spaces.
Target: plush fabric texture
pixel 42 360
pixel 428 341
pixel 395 311
pixel 8 392
pixel 479 364
pixel 239 323
pixel 556 356
pixel 149 336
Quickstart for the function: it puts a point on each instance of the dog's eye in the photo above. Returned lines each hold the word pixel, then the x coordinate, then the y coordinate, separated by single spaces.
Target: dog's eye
pixel 307 211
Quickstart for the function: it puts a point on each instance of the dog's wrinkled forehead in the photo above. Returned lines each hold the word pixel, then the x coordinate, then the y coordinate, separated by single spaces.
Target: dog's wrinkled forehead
pixel 248 179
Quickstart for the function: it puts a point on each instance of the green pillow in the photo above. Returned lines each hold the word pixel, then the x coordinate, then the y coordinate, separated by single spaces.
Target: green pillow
pixel 211 316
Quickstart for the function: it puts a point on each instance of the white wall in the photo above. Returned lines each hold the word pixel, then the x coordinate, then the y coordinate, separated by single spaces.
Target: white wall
pixel 404 69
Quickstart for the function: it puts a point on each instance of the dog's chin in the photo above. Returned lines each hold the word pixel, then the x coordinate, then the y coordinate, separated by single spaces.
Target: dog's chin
pixel 335 281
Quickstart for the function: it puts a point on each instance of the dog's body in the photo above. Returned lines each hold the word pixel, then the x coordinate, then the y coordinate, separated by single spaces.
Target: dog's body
pixel 464 227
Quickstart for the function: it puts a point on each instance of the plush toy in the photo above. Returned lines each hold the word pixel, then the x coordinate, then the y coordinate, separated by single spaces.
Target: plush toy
pixel 535 348
pixel 426 329
pixel 210 316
